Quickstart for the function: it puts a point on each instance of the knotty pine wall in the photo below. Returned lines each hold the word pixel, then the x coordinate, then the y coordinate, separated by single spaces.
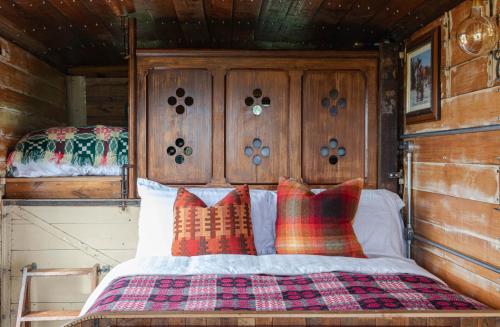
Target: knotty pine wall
pixel 456 177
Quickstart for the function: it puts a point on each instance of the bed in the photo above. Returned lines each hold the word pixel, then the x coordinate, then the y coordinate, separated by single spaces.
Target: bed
pixel 156 288
pixel 69 163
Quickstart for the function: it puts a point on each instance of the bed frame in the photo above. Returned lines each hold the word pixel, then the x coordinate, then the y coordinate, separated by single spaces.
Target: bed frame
pixel 80 187
pixel 312 318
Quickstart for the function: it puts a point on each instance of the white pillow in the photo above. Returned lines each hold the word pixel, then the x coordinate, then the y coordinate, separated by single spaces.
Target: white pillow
pixel 156 216
pixel 378 224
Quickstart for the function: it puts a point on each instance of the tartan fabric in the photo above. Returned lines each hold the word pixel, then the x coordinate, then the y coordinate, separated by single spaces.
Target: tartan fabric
pixel 321 224
pixel 330 291
pixel 80 146
pixel 225 228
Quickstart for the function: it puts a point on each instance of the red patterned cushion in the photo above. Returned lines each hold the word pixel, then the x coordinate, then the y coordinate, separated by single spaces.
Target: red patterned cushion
pixel 225 228
pixel 319 224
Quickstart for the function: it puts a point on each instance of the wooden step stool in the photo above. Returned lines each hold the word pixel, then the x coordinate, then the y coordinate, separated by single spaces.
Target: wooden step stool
pixel 25 315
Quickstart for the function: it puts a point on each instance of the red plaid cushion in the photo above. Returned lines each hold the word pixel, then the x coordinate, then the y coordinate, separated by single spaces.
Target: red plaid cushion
pixel 319 224
pixel 225 228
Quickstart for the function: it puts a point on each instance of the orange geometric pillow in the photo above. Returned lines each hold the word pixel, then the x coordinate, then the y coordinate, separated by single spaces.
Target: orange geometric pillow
pixel 321 224
pixel 225 228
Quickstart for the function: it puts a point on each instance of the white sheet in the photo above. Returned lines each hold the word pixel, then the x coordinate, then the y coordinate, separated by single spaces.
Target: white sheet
pixel 244 264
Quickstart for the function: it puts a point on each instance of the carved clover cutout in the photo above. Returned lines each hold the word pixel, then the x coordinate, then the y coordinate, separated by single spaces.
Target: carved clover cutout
pixel 333 103
pixel 257 103
pixel 333 151
pixel 181 149
pixel 256 151
pixel 178 99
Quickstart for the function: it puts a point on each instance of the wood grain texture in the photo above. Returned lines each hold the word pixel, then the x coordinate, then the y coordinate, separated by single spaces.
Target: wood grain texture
pixel 470 76
pixel 347 126
pixel 474 182
pixel 478 108
pixel 456 180
pixel 283 124
pixel 32 96
pixel 470 148
pixel 80 33
pixel 470 227
pixel 64 188
pixel 192 125
pixel 270 127
pixel 107 101
pixel 377 318
pixel 459 277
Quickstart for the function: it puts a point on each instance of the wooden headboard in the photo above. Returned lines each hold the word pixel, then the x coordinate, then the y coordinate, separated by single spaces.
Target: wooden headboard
pixel 230 117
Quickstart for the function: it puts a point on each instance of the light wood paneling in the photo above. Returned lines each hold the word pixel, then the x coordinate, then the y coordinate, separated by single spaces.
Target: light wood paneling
pixel 460 277
pixel 43 235
pixel 470 148
pixel 456 176
pixel 470 227
pixel 470 76
pixel 478 108
pixel 473 182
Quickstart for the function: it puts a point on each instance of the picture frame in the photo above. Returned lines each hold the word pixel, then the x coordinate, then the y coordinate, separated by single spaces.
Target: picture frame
pixel 422 78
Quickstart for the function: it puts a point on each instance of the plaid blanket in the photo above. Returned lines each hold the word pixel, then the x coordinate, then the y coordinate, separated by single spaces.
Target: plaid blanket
pixel 332 291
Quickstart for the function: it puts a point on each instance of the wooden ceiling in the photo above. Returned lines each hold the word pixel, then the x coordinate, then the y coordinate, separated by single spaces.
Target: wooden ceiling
pixel 70 33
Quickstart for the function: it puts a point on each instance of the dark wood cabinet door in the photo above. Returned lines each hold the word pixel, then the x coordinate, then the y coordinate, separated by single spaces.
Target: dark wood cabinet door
pixel 257 111
pixel 333 126
pixel 179 131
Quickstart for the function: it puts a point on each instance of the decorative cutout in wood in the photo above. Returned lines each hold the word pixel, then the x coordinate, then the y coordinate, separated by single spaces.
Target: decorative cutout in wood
pixel 333 151
pixel 333 103
pixel 256 102
pixel 179 101
pixel 181 149
pixel 256 151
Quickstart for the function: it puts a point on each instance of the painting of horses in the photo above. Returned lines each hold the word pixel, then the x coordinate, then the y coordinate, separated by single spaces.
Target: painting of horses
pixel 422 79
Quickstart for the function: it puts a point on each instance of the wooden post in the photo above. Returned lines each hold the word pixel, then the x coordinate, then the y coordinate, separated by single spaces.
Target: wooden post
pixel 132 111
pixel 388 118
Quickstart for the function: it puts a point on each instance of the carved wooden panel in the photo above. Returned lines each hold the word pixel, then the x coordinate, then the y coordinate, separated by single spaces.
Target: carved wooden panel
pixel 179 128
pixel 256 126
pixel 333 126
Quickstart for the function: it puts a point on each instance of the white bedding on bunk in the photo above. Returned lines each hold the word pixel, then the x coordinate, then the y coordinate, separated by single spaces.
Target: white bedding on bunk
pixel 245 264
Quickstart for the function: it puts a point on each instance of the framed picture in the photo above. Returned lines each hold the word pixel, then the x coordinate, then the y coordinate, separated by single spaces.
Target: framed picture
pixel 422 85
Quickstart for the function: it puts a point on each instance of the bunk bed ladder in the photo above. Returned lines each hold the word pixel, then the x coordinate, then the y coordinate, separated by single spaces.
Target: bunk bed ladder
pixel 24 314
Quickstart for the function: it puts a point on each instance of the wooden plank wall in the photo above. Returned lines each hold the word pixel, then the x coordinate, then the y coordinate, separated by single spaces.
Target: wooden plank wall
pixel 456 177
pixel 107 100
pixel 62 237
pixel 32 95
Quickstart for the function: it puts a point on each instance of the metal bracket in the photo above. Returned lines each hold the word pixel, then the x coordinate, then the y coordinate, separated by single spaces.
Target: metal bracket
pixel 124 186
pixel 409 233
pixel 394 175
pixel 103 269
pixel 407 146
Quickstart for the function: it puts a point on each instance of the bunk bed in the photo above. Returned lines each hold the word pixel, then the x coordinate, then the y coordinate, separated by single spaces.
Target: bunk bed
pixel 69 162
